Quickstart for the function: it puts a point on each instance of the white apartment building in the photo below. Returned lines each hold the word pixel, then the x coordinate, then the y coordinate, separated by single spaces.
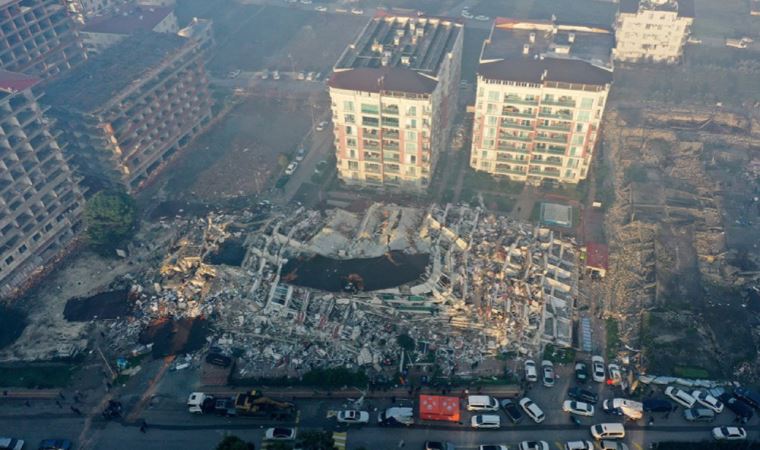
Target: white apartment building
pixel 394 96
pixel 541 92
pixel 652 30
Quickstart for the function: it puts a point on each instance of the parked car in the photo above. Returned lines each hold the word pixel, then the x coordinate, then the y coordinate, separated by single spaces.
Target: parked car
pixel 680 396
pixel 300 154
pixel 729 433
pixel 482 403
pixel 533 445
pixel 280 434
pixel 597 368
pixel 234 74
pixel 482 18
pixel 353 416
pixel 437 445
pixel 581 371
pixel 705 399
pixel 624 407
pixel 301 76
pixel 7 443
pixel 276 75
pixel 357 11
pixel 320 8
pixel 56 444
pixel 511 410
pixel 321 126
pixel 493 447
pixel 584 395
pixel 608 431
pixel 310 76
pixel 485 421
pixel 737 406
pixel 531 375
pixel 290 170
pixel 579 445
pixel 547 371
pixel 615 376
pixel 657 405
pixel 613 445
pixel 578 408
pixel 699 414
pixel 749 396
pixel 532 410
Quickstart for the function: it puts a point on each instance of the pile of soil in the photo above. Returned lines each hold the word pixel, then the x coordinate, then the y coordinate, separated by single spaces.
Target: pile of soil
pixel 12 324
pixel 105 305
pixel 172 337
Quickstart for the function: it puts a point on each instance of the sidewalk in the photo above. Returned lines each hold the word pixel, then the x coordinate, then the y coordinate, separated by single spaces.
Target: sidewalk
pixel 401 392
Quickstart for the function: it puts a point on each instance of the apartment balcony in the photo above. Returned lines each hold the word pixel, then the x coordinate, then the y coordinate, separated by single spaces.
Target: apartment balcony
pixel 392 168
pixel 559 102
pixel 513 113
pixel 556 127
pixel 559 116
pixel 374 157
pixel 519 100
pixel 510 159
pixel 515 125
pixel 368 145
pixel 393 110
pixel 553 139
pixel 391 157
pixel 551 150
pixel 512 148
pixel 390 134
pixel 393 146
pixel 510 137
pixel 503 169
pixel 547 162
pixel 547 172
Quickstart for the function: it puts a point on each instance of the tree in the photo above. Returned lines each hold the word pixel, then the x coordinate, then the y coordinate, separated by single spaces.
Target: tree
pixel 405 342
pixel 316 440
pixel 234 443
pixel 110 217
pixel 283 160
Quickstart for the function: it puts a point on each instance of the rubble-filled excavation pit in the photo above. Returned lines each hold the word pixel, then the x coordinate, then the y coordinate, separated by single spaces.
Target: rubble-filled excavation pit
pixel 12 324
pixel 174 337
pixel 392 269
pixel 104 305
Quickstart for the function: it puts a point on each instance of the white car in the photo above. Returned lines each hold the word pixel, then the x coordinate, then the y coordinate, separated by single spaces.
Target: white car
pixel 320 8
pixel 579 445
pixel 532 410
pixel 530 371
pixel 482 18
pixel 13 444
pixel 729 433
pixel 707 400
pixel 467 14
pixel 597 369
pixel 485 421
pixel 280 434
pixel 547 373
pixel 680 396
pixel 357 11
pixel 578 408
pixel 321 126
pixel 353 416
pixel 291 169
pixel 615 376
pixel 300 154
pixel 533 445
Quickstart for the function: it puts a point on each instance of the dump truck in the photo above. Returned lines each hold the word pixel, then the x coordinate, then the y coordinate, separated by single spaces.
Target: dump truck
pixel 253 403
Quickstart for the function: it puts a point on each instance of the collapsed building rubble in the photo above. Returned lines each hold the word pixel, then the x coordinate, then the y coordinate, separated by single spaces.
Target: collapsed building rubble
pixel 491 286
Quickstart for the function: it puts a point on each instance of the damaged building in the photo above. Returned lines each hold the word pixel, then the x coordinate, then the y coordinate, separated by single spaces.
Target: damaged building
pixel 128 111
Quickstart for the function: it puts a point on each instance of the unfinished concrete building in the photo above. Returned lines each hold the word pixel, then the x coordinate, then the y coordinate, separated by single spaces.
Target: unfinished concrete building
pixel 652 30
pixel 102 32
pixel 129 110
pixel 38 38
pixel 40 202
pixel 202 31
pixel 394 94
pixel 542 89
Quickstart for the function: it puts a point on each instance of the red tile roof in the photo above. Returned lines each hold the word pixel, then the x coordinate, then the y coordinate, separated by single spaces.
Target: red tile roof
pixel 14 81
pixel 597 256
pixel 396 79
pixel 141 18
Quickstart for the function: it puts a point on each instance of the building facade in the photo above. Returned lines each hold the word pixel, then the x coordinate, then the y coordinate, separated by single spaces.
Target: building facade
pixel 202 32
pixel 40 201
pixel 127 111
pixel 38 37
pixel 102 32
pixel 541 92
pixel 394 96
pixel 652 30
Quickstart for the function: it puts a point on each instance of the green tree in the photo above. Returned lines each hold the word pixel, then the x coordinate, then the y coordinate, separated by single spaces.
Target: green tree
pixel 316 440
pixel 234 443
pixel 405 342
pixel 110 217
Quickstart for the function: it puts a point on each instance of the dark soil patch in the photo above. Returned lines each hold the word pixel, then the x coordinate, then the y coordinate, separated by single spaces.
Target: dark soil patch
pixel 105 305
pixel 172 337
pixel 230 252
pixel 12 324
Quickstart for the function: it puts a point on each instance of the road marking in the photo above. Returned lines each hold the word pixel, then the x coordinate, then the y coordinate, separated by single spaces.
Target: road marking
pixel 558 444
pixel 340 440
pixel 331 413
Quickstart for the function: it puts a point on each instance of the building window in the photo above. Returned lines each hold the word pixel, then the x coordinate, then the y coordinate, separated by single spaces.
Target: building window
pixel 587 103
pixel 349 130
pixel 411 159
pixel 578 140
pixel 411 135
pixel 411 146
pixel 488 143
pixel 583 116
pixel 493 96
pixel 348 106
pixel 411 123
pixel 411 111
pixel 349 118
pixel 353 165
pixel 491 120
pixel 351 142
pixel 370 109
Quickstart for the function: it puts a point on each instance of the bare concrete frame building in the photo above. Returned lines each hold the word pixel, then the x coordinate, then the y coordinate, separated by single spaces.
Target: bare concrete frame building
pixel 394 95
pixel 40 201
pixel 101 32
pixel 127 111
pixel 652 30
pixel 38 37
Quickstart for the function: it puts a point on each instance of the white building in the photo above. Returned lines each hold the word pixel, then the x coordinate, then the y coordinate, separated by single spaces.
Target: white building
pixel 652 30
pixel 541 92
pixel 104 31
pixel 394 96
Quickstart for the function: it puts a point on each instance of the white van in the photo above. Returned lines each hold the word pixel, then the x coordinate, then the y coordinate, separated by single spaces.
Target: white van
pixel 485 421
pixel 482 403
pixel 608 431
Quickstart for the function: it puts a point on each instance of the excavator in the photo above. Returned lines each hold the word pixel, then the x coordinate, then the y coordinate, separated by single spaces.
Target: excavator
pixel 254 403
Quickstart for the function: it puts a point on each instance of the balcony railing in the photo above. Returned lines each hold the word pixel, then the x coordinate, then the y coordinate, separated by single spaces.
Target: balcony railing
pixel 515 125
pixel 547 162
pixel 519 100
pixel 555 127
pixel 509 159
pixel 556 116
pixel 559 102
pixel 512 148
pixel 514 138
pixel 557 139
pixel 513 113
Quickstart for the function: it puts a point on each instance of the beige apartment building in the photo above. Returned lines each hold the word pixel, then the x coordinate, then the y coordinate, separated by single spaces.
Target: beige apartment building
pixel 394 96
pixel 652 30
pixel 541 91
pixel 40 202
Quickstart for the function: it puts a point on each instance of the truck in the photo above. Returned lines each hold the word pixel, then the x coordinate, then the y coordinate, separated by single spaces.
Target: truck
pixel 396 415
pixel 253 403
pixel 196 401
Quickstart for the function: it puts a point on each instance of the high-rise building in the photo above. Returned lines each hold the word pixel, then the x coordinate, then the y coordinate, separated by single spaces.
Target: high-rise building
pixel 394 96
pixel 541 91
pixel 40 202
pixel 127 111
pixel 82 10
pixel 102 32
pixel 38 37
pixel 652 30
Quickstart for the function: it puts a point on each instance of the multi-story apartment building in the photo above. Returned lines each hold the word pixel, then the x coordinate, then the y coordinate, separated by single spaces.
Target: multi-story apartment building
pixel 83 10
pixel 652 30
pixel 40 202
pixel 127 111
pixel 201 31
pixel 541 91
pixel 38 37
pixel 394 94
pixel 102 32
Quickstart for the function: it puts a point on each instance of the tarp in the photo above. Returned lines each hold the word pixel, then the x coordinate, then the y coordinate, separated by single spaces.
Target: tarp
pixel 437 407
